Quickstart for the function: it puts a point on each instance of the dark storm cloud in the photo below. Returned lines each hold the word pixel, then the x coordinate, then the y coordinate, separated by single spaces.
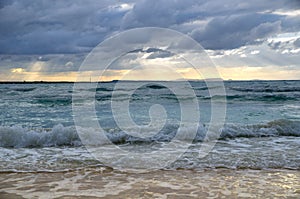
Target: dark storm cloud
pixel 294 4
pixel 73 26
pixel 164 13
pixel 291 24
pixel 41 27
pixel 297 43
pixel 221 32
pixel 4 3
pixel 159 13
pixel 230 24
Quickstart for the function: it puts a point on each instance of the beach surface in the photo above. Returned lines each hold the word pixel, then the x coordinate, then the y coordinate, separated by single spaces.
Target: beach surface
pixel 107 183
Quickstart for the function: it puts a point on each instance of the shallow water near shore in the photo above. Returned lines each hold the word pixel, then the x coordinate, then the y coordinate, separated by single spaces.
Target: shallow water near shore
pixel 106 183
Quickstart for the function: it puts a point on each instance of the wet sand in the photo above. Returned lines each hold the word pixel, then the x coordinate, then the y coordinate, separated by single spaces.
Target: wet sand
pixel 92 183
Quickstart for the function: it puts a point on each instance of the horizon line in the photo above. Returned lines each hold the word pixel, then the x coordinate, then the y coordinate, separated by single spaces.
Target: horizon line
pixel 111 81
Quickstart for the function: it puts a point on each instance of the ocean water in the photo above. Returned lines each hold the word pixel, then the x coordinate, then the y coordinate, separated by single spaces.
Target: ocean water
pixel 261 130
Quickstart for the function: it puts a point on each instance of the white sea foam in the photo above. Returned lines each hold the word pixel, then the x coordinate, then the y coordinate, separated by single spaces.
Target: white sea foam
pixel 59 135
pixel 24 137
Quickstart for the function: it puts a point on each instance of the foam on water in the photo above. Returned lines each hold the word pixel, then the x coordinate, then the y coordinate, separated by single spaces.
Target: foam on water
pixel 59 135
pixel 239 153
pixel 22 137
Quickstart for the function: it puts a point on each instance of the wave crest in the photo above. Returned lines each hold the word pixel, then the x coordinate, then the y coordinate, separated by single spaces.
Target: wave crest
pixel 67 136
pixel 22 137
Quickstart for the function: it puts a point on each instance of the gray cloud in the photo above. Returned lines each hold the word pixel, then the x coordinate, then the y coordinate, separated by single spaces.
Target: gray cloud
pixel 164 13
pixel 221 32
pixel 51 63
pixel 297 43
pixel 275 45
pixel 160 54
pixel 42 27
pixel 74 26
pixel 154 53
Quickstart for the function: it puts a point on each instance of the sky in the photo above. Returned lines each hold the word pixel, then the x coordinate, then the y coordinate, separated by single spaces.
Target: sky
pixel 43 40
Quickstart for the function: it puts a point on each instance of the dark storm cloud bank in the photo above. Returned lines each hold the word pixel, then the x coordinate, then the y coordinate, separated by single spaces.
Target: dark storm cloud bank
pixel 235 31
pixel 55 27
pixel 42 27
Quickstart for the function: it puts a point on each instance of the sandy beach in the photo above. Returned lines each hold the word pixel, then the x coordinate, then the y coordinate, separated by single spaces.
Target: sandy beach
pixel 93 183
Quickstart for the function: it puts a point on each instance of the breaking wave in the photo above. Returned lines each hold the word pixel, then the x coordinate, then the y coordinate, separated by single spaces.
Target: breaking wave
pixel 17 137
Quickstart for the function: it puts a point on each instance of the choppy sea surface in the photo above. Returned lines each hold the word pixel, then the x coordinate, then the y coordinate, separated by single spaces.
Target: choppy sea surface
pixel 261 131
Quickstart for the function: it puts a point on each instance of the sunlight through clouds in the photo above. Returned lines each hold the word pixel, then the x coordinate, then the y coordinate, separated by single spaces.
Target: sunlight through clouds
pixel 51 39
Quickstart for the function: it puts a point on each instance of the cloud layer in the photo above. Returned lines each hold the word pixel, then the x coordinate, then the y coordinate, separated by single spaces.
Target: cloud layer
pixel 60 33
pixel 43 27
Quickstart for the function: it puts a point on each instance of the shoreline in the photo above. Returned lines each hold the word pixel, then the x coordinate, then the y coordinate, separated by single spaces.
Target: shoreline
pixel 107 183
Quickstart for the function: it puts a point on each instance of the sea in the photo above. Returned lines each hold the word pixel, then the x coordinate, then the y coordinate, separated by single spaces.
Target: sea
pixel 261 130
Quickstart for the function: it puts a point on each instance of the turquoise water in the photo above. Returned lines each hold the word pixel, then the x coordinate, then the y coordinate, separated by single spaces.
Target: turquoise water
pixel 262 128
